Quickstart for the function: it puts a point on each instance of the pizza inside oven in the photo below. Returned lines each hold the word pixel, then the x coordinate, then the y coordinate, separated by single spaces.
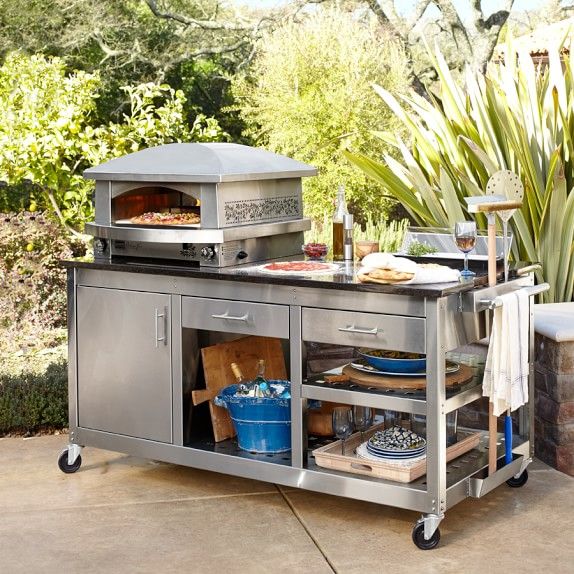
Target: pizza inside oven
pixel 166 218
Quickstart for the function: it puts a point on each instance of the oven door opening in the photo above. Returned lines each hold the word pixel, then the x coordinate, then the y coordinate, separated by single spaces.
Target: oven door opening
pixel 154 206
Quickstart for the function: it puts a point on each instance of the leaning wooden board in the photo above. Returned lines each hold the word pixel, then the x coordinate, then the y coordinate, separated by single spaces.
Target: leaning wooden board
pixel 330 457
pixel 462 376
pixel 217 361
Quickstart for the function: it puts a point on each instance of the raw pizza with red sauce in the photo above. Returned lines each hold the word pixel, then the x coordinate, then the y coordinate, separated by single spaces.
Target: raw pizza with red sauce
pixel 156 218
pixel 299 267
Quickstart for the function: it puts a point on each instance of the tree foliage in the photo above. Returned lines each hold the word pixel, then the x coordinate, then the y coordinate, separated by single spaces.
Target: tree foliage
pixel 466 37
pixel 47 135
pixel 196 50
pixel 309 94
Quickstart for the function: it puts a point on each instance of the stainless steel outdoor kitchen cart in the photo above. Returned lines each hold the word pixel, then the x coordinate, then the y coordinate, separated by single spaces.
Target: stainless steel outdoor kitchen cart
pixel 136 326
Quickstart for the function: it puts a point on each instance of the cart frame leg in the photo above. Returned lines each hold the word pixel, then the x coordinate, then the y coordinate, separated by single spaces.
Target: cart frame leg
pixel 436 409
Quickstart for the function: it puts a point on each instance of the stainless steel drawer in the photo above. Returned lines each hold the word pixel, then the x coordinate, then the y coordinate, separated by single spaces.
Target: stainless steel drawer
pixel 364 330
pixel 235 317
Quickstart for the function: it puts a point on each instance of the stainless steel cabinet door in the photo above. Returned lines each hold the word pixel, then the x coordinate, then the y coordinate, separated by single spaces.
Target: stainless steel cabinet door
pixel 124 363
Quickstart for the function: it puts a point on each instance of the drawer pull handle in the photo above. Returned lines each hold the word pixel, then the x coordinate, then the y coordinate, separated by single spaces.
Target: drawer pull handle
pixel 353 329
pixel 225 315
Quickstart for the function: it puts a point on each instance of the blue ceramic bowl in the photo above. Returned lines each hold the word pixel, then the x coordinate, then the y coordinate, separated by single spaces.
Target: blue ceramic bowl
pixel 394 365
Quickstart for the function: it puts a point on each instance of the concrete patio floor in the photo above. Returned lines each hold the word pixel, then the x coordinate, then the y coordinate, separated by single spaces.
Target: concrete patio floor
pixel 123 514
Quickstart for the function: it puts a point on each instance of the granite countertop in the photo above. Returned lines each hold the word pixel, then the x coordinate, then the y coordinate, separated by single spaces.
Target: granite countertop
pixel 343 279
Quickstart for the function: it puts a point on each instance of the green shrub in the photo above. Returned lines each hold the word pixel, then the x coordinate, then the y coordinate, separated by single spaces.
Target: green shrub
pixel 49 134
pixel 30 402
pixel 32 280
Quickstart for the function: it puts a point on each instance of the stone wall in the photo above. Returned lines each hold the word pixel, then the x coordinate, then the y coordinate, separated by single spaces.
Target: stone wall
pixel 554 403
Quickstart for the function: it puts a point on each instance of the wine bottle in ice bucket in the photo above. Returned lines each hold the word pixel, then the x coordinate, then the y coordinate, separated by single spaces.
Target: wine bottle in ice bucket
pixel 241 386
pixel 260 379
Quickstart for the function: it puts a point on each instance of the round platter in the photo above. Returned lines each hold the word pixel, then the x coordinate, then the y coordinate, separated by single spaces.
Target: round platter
pixel 400 382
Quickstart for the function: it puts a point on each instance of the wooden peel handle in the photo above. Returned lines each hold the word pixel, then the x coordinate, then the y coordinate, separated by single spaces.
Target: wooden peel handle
pixel 202 396
pixel 491 251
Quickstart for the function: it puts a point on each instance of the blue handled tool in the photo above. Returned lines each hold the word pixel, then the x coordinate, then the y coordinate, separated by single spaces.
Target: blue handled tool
pixel 508 438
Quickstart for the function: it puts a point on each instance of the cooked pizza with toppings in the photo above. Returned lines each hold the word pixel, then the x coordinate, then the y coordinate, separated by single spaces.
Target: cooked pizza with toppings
pixel 156 218
pixel 299 267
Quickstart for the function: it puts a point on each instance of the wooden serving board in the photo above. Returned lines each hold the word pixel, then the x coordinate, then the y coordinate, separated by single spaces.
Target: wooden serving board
pixel 331 456
pixel 217 361
pixel 463 375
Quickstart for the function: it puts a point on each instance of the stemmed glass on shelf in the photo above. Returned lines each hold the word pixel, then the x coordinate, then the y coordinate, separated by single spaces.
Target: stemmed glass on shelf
pixel 465 238
pixel 362 418
pixel 342 424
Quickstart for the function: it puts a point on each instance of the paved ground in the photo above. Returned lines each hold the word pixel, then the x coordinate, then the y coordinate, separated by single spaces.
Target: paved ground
pixel 122 514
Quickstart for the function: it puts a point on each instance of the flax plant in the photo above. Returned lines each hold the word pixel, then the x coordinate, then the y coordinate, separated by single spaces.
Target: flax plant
pixel 515 117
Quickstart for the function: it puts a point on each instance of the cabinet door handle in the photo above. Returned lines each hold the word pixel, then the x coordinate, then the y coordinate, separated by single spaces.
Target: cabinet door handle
pixel 225 315
pixel 353 329
pixel 163 317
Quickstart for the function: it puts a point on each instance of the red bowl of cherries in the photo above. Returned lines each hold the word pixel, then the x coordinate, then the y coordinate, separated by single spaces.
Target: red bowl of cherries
pixel 315 251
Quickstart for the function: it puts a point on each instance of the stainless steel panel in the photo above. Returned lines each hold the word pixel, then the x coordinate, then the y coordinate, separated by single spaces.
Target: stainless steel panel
pixel 189 235
pixel 464 398
pixel 479 487
pixel 124 379
pixel 200 162
pixel 462 328
pixel 180 382
pixel 365 399
pixel 235 317
pixel 471 300
pixel 103 203
pixel 249 202
pixel 230 253
pixel 435 404
pixel 411 497
pixel 364 330
pixel 298 403
pixel 72 352
pixel 257 292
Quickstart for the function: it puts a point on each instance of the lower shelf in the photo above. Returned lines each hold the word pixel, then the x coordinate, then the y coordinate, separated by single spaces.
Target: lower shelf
pixel 227 458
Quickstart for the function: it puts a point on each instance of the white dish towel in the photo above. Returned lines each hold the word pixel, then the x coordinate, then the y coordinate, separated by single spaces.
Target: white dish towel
pixel 506 371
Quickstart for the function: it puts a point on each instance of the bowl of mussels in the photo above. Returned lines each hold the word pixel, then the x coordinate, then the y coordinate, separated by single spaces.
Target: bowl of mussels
pixel 394 361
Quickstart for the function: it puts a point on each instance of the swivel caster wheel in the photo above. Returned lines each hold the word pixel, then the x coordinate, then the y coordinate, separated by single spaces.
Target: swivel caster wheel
pixel 419 537
pixel 518 481
pixel 69 468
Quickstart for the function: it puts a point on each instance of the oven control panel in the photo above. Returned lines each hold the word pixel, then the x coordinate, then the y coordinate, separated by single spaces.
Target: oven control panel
pixel 205 254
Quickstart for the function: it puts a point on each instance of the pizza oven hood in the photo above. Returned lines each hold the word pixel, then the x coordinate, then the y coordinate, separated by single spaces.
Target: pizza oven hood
pixel 249 202
pixel 200 163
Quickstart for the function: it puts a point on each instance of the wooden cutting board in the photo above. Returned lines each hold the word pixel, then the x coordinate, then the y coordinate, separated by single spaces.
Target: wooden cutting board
pixel 217 361
pixel 463 375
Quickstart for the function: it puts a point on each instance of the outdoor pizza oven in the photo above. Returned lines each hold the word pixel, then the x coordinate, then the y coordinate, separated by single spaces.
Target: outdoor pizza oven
pixel 213 204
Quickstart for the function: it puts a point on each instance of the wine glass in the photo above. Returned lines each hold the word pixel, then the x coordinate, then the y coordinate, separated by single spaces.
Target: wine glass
pixel 363 418
pixel 465 238
pixel 342 424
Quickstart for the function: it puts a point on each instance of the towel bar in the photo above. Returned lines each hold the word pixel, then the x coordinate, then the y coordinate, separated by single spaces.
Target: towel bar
pixel 534 290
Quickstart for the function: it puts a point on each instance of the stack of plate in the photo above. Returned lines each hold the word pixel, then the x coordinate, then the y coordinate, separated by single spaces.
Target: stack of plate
pixel 396 443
